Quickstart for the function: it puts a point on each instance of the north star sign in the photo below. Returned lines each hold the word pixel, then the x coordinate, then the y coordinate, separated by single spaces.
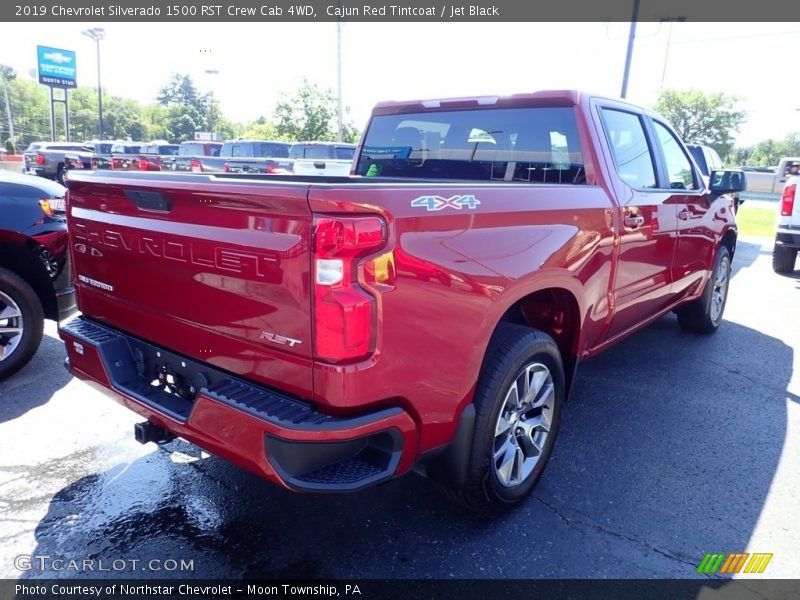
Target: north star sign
pixel 57 67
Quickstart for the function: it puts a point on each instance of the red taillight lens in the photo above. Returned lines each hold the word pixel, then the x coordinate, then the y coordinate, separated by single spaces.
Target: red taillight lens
pixel 40 159
pixel 787 200
pixel 94 163
pixel 344 310
pixel 226 168
pixel 143 165
pixel 196 166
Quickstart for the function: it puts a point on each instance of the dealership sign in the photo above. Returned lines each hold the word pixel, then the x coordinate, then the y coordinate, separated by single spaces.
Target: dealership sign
pixel 57 67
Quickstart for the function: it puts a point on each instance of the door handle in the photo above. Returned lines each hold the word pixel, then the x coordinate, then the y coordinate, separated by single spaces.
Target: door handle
pixel 685 214
pixel 633 221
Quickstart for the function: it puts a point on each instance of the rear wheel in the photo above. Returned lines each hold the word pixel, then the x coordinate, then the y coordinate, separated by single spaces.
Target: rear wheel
pixel 704 315
pixel 518 411
pixel 21 323
pixel 783 259
pixel 60 175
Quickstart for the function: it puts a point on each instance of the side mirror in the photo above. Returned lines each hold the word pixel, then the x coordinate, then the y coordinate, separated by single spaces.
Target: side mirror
pixel 727 181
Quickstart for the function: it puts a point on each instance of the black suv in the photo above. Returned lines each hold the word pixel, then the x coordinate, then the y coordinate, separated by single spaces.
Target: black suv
pixel 35 278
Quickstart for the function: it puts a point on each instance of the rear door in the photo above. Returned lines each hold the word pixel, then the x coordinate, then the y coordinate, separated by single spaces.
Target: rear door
pixel 216 271
pixel 648 229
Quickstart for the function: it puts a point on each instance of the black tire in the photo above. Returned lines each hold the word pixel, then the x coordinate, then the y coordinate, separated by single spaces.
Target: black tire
pixel 783 259
pixel 16 296
pixel 514 348
pixel 60 173
pixel 704 315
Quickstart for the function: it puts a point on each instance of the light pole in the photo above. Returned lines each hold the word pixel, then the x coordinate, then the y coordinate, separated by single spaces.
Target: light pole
pixel 629 54
pixel 97 34
pixel 211 71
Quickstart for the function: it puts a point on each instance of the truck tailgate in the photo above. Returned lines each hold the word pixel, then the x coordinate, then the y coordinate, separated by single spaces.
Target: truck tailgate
pixel 216 271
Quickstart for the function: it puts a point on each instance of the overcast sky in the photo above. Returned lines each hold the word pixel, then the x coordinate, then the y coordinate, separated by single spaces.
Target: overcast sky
pixel 395 61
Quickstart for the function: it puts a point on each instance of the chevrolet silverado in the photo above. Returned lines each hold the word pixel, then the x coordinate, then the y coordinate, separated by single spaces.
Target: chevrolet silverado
pixel 428 312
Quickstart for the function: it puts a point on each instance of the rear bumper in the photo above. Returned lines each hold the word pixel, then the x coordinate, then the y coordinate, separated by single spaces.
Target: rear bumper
pixel 788 236
pixel 263 430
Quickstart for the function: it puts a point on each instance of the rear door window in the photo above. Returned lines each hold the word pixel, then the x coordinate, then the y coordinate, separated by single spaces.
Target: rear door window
pixel 629 148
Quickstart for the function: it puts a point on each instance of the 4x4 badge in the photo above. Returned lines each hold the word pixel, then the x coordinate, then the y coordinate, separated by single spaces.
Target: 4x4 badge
pixel 434 203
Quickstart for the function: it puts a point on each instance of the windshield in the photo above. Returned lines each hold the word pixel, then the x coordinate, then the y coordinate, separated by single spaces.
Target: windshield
pixel 527 145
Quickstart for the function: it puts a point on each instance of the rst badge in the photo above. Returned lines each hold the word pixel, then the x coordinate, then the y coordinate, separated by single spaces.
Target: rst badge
pixel 435 203
pixel 268 336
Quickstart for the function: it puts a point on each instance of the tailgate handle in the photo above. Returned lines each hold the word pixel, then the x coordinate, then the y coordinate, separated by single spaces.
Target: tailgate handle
pixel 149 200
pixel 320 164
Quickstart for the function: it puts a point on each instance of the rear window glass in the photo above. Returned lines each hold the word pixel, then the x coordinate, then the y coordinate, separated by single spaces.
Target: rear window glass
pixel 103 148
pixel 268 150
pixel 167 150
pixel 190 150
pixel 126 149
pixel 199 149
pixel 310 151
pixel 345 152
pixel 526 145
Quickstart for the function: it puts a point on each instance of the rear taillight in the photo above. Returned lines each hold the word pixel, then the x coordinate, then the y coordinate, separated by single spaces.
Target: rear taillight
pixel 93 162
pixel 143 164
pixel 226 168
pixel 196 166
pixel 787 200
pixel 40 159
pixel 344 309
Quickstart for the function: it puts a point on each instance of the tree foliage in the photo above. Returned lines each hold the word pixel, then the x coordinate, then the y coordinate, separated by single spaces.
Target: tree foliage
pixel 179 110
pixel 709 119
pixel 309 113
pixel 201 110
pixel 769 152
pixel 262 129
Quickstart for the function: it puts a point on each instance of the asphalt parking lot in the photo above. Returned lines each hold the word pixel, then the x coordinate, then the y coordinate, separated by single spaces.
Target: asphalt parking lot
pixel 672 446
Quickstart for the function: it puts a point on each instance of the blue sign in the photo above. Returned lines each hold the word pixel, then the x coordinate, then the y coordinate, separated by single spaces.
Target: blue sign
pixel 57 67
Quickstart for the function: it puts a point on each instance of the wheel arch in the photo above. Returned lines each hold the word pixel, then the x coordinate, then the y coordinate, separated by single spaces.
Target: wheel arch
pixel 728 240
pixel 26 265
pixel 554 309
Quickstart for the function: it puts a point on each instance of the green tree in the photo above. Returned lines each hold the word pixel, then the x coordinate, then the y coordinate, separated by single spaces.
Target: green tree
pixel 180 91
pixel 182 122
pixel 7 74
pixel 699 118
pixel 31 112
pixel 310 114
pixel 770 152
pixel 262 129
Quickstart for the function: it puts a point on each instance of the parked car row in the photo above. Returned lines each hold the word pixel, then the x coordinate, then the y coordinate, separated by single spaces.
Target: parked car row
pixel 234 156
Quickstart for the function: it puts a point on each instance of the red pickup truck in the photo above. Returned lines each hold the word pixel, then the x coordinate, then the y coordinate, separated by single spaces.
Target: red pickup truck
pixel 428 311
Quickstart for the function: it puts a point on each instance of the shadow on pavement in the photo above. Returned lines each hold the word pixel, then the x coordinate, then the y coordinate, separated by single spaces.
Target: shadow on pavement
pixel 36 383
pixel 667 451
